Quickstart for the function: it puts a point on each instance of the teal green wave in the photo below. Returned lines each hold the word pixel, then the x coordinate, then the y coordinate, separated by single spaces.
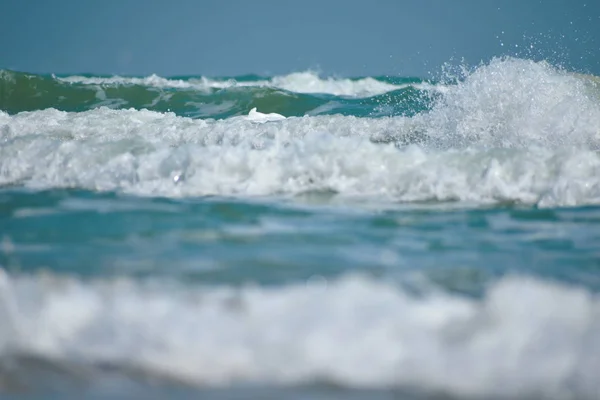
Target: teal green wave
pixel 28 92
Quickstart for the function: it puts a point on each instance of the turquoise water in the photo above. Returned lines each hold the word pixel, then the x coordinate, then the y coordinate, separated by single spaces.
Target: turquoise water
pixel 374 237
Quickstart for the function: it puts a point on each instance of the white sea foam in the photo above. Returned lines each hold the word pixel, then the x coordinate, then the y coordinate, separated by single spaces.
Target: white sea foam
pixel 153 80
pixel 514 130
pixel 514 103
pixel 308 82
pixel 524 337
pixel 257 116
pixel 299 82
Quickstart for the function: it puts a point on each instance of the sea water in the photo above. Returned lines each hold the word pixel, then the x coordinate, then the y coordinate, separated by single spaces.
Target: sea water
pixel 382 237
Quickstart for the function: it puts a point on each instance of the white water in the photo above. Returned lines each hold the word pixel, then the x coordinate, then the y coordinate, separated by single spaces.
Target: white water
pixel 514 130
pixel 299 82
pixel 525 337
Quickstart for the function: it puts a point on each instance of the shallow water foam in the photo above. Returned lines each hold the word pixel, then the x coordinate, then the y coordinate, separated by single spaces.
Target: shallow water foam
pixel 524 337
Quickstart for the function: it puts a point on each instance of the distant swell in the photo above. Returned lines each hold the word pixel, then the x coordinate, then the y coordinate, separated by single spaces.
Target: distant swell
pixel 291 95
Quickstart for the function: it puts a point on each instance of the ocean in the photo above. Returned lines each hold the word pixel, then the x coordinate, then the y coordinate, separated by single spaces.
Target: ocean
pixel 301 236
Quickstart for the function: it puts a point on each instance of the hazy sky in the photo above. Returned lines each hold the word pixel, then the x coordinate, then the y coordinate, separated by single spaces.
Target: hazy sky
pixel 345 37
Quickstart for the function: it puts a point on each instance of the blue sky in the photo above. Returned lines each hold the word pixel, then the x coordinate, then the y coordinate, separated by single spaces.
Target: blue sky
pixel 226 37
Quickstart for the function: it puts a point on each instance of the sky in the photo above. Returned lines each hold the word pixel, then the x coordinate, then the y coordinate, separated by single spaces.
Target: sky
pixel 267 37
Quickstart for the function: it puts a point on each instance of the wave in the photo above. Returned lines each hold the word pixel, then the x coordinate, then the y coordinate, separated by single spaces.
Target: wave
pixel 147 153
pixel 291 95
pixel 298 82
pixel 523 338
pixel 513 131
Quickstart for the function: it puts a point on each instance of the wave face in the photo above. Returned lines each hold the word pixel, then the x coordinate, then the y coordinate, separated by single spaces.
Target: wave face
pixel 512 131
pixel 293 95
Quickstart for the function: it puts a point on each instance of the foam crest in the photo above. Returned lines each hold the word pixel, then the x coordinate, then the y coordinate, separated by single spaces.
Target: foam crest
pixel 299 82
pixel 150 81
pixel 524 337
pixel 308 82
